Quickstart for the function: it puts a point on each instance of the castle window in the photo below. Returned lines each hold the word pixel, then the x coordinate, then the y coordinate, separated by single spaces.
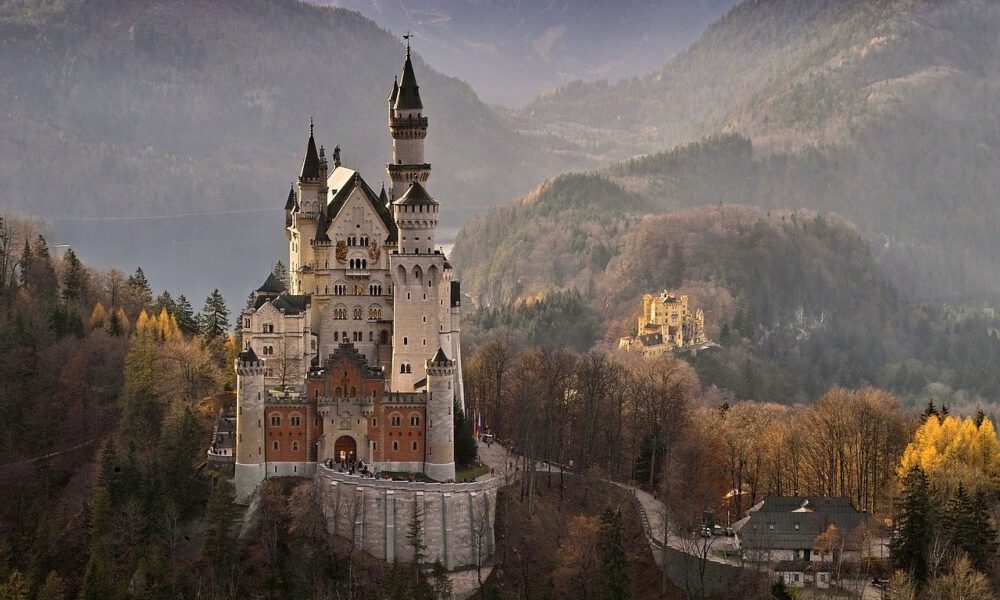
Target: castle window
pixel 425 341
pixel 413 445
pixel 425 296
pixel 425 318
pixel 430 283
pixel 295 446
pixel 374 445
pixel 275 445
pixel 358 314
pixel 246 323
pixel 395 420
pixel 358 336
pixel 364 263
pixel 407 295
pixel 374 422
pixel 371 336
pixel 275 420
pixel 395 445
pixel 296 421
pixel 408 368
pixel 414 421
pixel 326 290
pixel 336 336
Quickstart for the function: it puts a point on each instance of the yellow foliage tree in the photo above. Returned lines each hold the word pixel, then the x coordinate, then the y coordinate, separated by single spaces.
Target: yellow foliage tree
pixel 123 319
pixel 952 451
pixel 142 322
pixel 98 316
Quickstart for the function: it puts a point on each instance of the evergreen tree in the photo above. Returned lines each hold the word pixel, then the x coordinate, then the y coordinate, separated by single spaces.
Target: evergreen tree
pixel 74 278
pixel 186 318
pixel 979 418
pixel 398 584
pixel 27 260
pixel 466 449
pixel 215 316
pixel 141 412
pixel 140 293
pixel 115 326
pixel 281 273
pixel 779 591
pixel 165 301
pixel 415 540
pixel 614 559
pixel 913 533
pixel 220 520
pixel 931 410
pixel 440 582
pixel 968 525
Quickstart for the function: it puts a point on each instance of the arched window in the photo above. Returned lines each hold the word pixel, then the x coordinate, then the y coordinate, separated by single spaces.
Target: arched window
pixel 408 368
pixel 413 445
pixel 274 445
pixel 374 422
pixel 395 445
pixel 374 313
pixel 275 420
pixel 402 367
pixel 295 446
pixel 296 420
pixel 404 340
pixel 395 420
pixel 414 420
pixel 358 313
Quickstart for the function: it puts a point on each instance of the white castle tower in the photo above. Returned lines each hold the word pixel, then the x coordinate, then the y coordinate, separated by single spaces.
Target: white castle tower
pixel 250 460
pixel 364 344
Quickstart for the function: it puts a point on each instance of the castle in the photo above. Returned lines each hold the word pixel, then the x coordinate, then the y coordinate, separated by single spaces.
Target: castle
pixel 666 323
pixel 360 358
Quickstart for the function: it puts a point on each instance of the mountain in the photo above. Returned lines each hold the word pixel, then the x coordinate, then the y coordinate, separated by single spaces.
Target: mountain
pixel 510 51
pixel 879 111
pixel 166 133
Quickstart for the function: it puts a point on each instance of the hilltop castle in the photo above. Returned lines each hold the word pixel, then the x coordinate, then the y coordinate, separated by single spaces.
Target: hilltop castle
pixel 666 323
pixel 360 358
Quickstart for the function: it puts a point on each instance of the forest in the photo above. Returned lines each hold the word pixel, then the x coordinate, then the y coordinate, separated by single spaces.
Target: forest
pixel 932 475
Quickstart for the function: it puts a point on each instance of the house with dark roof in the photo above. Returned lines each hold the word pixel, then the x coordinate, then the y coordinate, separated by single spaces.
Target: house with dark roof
pixel 796 528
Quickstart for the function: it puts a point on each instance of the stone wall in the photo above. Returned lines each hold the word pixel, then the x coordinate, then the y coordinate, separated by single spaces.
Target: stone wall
pixel 456 518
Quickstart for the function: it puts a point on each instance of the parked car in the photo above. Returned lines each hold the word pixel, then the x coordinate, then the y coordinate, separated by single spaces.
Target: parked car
pixel 705 532
pixel 718 530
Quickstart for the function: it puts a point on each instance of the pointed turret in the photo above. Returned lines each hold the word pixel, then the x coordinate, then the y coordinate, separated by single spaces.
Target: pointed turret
pixel 408 96
pixel 394 92
pixel 310 165
pixel 383 199
pixel 290 203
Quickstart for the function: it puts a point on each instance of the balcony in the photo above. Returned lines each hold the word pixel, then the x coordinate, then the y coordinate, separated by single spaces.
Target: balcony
pixel 357 273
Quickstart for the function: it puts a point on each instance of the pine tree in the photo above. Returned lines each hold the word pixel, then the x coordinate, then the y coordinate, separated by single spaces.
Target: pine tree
pixel 931 410
pixel 186 318
pixel 140 294
pixel 779 591
pixel 115 326
pixel 441 583
pixel 281 273
pixel 415 540
pixel 968 525
pixel 614 559
pixel 74 276
pixel 913 533
pixel 215 316
pixel 219 520
pixel 979 418
pixel 165 301
pixel 398 584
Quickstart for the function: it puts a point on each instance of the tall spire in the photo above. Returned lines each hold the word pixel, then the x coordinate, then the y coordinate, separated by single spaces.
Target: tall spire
pixel 394 92
pixel 408 97
pixel 310 165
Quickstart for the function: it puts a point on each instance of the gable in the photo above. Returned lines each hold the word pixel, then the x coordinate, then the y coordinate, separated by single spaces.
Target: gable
pixel 344 186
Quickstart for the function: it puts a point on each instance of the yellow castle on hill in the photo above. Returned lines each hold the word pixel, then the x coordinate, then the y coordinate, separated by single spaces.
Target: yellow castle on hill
pixel 666 323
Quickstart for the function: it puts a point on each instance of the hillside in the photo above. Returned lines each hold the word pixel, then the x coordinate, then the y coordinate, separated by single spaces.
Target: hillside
pixel 135 111
pixel 511 51
pixel 878 111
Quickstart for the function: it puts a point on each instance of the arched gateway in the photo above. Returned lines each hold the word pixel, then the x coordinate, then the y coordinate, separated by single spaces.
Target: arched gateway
pixel 345 448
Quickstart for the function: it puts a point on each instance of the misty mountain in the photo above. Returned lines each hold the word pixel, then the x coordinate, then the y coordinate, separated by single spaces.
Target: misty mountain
pixel 510 51
pixel 121 117
pixel 883 112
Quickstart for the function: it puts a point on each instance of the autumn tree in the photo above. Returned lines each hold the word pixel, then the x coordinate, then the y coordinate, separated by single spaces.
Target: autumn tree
pixel 953 451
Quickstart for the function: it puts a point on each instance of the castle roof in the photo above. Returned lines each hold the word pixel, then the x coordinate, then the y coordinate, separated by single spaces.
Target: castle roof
pixel 310 164
pixel 408 96
pixel 272 285
pixel 440 357
pixel 342 182
pixel 394 92
pixel 291 304
pixel 416 195
pixel 248 355
pixel 290 204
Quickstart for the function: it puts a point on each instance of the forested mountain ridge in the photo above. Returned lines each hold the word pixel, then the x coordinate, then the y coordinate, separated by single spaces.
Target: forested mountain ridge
pixel 172 129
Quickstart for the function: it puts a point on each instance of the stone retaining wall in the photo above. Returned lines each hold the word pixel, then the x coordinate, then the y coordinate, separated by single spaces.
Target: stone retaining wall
pixel 456 518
